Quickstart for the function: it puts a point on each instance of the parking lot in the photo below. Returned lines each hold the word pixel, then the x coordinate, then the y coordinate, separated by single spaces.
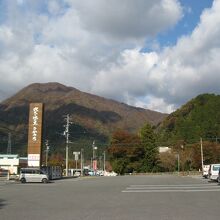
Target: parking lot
pixel 108 198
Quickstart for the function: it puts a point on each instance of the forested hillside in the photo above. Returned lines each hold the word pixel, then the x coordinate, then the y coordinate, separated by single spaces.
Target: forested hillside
pixel 200 117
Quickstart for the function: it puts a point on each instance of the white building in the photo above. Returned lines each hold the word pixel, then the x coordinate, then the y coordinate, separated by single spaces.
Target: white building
pixel 11 162
pixel 164 149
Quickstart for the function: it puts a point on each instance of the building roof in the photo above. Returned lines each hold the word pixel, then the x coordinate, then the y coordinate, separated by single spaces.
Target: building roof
pixel 9 155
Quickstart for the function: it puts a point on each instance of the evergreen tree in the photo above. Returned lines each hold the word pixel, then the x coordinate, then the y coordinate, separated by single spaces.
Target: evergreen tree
pixel 148 139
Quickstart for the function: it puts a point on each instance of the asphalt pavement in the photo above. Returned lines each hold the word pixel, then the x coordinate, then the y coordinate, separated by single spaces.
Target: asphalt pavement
pixel 152 197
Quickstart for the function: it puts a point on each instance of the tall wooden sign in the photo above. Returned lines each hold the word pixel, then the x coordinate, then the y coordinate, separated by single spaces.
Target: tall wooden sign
pixel 35 134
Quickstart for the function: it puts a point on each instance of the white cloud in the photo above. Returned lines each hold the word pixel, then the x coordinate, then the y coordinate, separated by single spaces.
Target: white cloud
pixel 128 78
pixel 75 41
pixel 128 19
pixel 158 104
pixel 96 46
pixel 178 73
pixel 192 65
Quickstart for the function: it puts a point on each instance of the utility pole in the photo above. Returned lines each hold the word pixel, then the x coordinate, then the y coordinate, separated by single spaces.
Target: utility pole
pixel 100 162
pixel 178 163
pixel 201 152
pixel 93 150
pixel 76 163
pixel 104 161
pixel 9 144
pixel 66 132
pixel 47 150
pixel 81 161
pixel 93 154
pixel 94 159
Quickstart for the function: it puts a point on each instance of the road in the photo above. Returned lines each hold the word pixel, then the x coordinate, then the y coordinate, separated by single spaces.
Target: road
pixel 151 197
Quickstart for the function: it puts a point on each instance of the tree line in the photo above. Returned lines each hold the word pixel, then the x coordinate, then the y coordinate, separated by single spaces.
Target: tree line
pixel 139 153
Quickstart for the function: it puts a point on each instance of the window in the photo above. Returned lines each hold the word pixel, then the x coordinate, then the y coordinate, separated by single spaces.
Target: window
pixel 216 168
pixel 28 171
pixel 37 171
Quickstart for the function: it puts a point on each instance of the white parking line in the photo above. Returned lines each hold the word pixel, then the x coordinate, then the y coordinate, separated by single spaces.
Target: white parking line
pixel 182 185
pixel 172 188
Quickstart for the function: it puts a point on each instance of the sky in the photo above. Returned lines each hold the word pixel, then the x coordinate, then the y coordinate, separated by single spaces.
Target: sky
pixel 154 54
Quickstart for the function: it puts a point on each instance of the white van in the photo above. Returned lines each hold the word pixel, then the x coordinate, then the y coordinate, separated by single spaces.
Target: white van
pixel 33 175
pixel 213 171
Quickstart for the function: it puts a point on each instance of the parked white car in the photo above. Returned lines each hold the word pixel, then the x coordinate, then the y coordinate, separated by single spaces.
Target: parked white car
pixel 218 179
pixel 100 173
pixel 110 173
pixel 214 171
pixel 77 174
pixel 32 175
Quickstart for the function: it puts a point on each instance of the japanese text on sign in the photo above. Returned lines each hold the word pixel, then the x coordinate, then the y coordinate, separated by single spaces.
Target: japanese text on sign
pixel 35 123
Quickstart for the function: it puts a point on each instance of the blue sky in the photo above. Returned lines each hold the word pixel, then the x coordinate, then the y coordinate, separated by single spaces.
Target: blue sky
pixel 155 54
pixel 192 11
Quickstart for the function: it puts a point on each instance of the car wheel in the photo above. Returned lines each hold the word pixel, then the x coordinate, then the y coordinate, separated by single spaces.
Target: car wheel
pixel 23 180
pixel 44 180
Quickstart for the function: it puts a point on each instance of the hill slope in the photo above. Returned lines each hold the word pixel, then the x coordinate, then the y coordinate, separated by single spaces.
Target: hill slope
pixel 93 117
pixel 200 117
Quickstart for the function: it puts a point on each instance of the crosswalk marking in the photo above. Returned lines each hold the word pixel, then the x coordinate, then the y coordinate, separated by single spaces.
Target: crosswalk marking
pixel 177 185
pixel 172 188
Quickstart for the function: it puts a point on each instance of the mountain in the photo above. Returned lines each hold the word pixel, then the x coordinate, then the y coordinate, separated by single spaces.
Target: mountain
pixel 92 117
pixel 200 117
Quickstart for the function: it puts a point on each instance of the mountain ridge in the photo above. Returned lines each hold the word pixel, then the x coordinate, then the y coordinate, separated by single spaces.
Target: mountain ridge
pixel 98 115
pixel 24 95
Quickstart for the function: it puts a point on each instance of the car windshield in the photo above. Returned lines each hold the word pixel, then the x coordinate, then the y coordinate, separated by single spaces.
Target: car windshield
pixel 216 168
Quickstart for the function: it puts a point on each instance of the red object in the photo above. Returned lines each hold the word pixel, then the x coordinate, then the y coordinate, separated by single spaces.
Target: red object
pixel 94 165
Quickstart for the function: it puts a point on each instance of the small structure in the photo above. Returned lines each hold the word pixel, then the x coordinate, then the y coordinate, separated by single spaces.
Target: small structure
pixel 11 162
pixel 164 149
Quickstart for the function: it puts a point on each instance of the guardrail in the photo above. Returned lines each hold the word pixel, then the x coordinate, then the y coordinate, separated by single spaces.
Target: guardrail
pixel 8 177
pixel 181 173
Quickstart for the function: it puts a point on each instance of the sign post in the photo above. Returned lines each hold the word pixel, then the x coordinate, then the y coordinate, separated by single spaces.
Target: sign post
pixel 35 134
pixel 76 154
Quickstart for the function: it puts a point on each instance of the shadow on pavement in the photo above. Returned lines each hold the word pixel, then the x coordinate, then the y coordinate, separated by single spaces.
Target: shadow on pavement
pixel 2 203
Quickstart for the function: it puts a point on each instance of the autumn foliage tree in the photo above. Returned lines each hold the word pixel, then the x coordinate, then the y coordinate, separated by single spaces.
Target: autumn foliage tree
pixel 56 160
pixel 167 162
pixel 132 152
pixel 139 153
pixel 211 153
pixel 126 152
